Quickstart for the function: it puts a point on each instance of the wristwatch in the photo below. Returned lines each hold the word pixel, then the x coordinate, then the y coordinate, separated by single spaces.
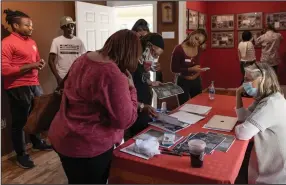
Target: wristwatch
pixel 141 107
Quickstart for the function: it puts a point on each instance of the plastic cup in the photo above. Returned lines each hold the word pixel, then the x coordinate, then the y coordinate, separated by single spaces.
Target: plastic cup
pixel 197 152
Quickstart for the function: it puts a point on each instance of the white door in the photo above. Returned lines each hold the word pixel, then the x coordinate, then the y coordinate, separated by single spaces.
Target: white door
pixel 94 24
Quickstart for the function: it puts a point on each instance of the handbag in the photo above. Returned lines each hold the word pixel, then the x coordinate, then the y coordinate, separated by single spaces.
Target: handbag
pixel 45 108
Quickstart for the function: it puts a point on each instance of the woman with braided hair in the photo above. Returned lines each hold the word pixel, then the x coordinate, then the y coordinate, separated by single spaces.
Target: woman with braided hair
pixel 152 47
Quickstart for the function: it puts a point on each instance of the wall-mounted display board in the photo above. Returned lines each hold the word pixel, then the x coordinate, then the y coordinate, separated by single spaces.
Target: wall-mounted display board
pixel 202 20
pixel 193 20
pixel 222 39
pixel 255 35
pixel 277 19
pixel 222 22
pixel 249 21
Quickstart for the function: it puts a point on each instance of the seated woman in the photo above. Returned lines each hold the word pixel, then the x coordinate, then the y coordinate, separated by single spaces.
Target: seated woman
pixel 153 47
pixel 246 52
pixel 265 120
pixel 186 64
pixel 99 102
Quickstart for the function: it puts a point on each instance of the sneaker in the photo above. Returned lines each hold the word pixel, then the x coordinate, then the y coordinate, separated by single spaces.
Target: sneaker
pixel 25 162
pixel 42 147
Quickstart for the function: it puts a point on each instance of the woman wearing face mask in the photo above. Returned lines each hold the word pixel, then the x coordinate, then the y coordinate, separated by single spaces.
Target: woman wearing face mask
pixel 265 121
pixel 153 47
pixel 186 64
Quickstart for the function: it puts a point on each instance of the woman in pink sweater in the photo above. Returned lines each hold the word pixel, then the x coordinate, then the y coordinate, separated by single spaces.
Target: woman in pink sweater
pixel 99 102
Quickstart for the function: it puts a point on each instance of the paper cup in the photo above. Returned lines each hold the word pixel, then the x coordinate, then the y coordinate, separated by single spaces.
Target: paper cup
pixel 197 152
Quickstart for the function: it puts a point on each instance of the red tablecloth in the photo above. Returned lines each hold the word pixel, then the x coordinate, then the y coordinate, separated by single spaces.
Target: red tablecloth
pixel 219 167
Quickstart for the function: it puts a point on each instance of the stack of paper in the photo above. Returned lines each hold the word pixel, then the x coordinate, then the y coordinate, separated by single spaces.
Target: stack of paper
pixel 196 109
pixel 187 117
pixel 222 123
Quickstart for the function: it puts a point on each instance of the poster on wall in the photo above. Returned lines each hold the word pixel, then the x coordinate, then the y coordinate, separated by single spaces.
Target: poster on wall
pixel 193 20
pixel 202 20
pixel 222 22
pixel 222 39
pixel 277 19
pixel 255 35
pixel 249 21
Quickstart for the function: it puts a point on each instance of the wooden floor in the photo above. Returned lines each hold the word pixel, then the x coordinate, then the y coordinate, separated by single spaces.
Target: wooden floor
pixel 48 170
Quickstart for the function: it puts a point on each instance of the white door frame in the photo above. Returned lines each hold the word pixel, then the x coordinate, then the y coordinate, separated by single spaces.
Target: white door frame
pixel 130 3
pixel 182 21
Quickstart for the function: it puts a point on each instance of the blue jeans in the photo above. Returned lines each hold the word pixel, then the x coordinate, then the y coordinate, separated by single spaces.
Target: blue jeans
pixel 21 102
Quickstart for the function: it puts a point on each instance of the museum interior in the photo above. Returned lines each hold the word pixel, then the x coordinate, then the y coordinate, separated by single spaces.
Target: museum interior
pixel 224 23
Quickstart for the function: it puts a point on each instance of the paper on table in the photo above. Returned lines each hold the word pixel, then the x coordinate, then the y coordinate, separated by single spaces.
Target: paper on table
pixel 187 117
pixel 197 109
pixel 129 150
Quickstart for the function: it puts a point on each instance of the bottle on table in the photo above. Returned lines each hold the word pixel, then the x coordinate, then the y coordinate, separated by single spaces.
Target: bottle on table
pixel 212 91
pixel 164 107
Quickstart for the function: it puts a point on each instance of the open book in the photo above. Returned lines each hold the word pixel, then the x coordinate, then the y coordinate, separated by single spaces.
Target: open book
pixel 167 90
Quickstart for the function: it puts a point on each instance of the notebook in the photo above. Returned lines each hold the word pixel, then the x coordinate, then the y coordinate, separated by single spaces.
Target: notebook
pixel 187 117
pixel 196 109
pixel 222 123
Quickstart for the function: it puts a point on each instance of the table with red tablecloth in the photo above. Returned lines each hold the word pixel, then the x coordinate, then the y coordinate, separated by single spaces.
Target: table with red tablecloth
pixel 219 167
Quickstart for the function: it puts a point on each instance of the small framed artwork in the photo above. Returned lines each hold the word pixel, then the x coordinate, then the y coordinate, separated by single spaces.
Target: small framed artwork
pixel 167 9
pixel 277 19
pixel 202 20
pixel 249 21
pixel 193 20
pixel 255 35
pixel 222 39
pixel 222 22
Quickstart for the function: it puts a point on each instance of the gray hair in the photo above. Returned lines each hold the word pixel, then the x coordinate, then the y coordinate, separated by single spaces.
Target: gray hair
pixel 269 83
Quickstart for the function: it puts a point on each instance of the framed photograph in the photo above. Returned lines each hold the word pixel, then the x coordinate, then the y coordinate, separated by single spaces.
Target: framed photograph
pixel 277 19
pixel 193 20
pixel 249 21
pixel 202 20
pixel 255 34
pixel 167 9
pixel 222 39
pixel 222 22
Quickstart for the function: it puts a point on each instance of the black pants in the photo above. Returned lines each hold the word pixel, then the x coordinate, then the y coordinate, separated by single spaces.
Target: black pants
pixel 140 124
pixel 93 170
pixel 191 88
pixel 21 99
pixel 242 177
pixel 244 64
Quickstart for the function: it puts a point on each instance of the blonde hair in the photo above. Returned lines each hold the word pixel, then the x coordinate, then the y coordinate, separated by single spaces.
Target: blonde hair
pixel 269 83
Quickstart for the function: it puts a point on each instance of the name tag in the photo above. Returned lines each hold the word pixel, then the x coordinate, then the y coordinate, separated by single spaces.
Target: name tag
pixel 188 60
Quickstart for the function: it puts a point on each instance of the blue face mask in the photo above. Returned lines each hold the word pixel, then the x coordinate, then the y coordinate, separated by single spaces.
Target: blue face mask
pixel 251 91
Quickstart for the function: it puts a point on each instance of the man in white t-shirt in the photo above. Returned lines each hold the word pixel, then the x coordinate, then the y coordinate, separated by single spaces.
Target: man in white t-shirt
pixel 65 49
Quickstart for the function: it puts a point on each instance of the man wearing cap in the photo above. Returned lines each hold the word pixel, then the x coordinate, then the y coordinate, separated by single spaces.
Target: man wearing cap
pixel 65 49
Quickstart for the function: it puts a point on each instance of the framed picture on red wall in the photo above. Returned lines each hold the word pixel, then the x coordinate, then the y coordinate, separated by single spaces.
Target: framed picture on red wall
pixel 193 20
pixel 277 19
pixel 255 35
pixel 222 39
pixel 222 22
pixel 168 9
pixel 202 20
pixel 249 21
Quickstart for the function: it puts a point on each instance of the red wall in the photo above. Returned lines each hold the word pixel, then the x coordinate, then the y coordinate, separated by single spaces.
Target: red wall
pixel 224 64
